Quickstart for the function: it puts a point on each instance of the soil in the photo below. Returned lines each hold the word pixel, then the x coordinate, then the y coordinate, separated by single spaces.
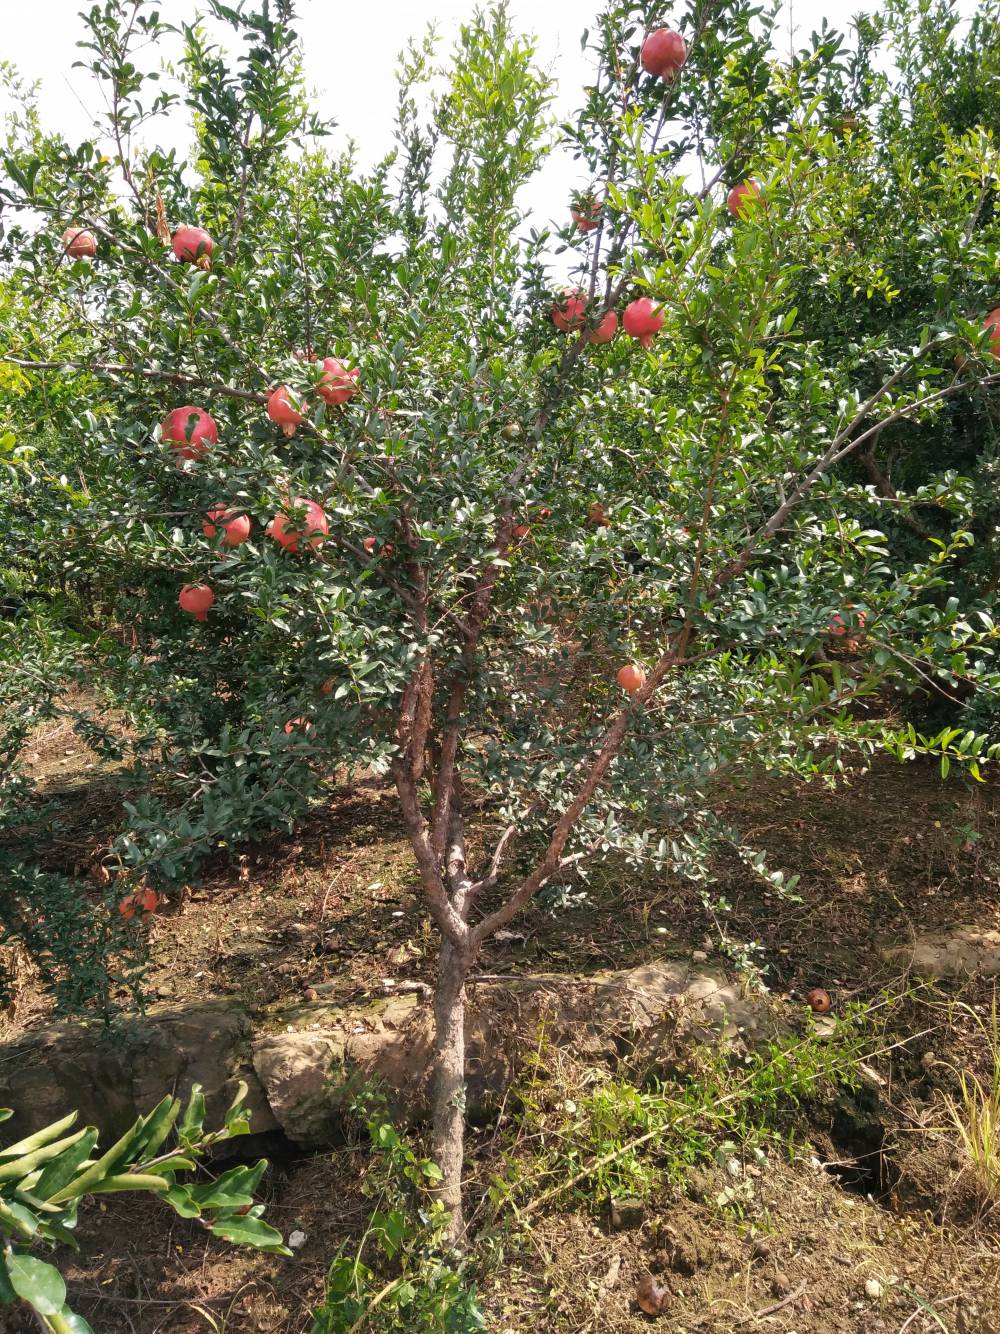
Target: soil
pixel 876 1192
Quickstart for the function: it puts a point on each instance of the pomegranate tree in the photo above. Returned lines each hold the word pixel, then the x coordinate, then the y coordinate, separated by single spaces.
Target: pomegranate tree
pixel 712 485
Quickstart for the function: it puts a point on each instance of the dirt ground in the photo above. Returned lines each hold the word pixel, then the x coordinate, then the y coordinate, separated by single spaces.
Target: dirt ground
pixel 894 854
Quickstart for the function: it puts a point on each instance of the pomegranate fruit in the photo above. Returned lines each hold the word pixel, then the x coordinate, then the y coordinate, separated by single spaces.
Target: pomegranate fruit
pixel 289 532
pixel 992 323
pixel 282 411
pixel 818 1000
pixel 643 319
pixel 521 531
pixel 79 244
pixel 586 213
pixel 606 330
pixel 841 625
pixel 369 544
pixel 235 527
pixel 742 197
pixel 652 1296
pixel 196 599
pixel 631 678
pixel 192 245
pixel 300 724
pixel 328 687
pixel 337 384
pixel 190 431
pixel 570 310
pixel 663 53
pixel 597 516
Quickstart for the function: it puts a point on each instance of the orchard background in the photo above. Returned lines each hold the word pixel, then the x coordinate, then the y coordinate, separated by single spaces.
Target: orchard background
pixel 325 483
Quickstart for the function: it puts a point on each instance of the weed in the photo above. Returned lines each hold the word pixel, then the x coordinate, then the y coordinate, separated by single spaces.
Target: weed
pixel 975 1111
pixel 419 1287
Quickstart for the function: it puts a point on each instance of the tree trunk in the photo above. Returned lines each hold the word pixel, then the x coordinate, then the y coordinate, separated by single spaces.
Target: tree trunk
pixel 448 1138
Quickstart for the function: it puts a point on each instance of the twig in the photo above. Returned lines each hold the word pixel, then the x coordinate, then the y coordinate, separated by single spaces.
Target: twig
pixel 775 1306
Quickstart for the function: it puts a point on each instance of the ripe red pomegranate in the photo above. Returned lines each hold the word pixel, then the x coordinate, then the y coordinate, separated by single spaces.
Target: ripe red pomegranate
pixel 328 687
pixel 196 600
pixel 840 626
pixel 338 384
pixel 300 724
pixel 235 527
pixel 643 319
pixel 190 431
pixel 586 213
pixel 192 245
pixel 606 330
pixel 631 678
pixel 663 53
pixel 521 531
pixel 544 513
pixel 289 532
pixel 597 516
pixel 570 310
pixel 281 410
pixel 743 197
pixel 79 244
pixel 370 543
pixel 818 1000
pixel 992 323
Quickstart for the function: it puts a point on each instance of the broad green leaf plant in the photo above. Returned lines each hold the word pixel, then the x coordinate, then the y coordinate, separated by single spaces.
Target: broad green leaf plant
pixel 45 1177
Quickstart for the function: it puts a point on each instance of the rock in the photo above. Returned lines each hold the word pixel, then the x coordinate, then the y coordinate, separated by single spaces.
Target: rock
pixel 873 1289
pixel 961 952
pixel 780 1284
pixel 626 1215
pixel 113 1076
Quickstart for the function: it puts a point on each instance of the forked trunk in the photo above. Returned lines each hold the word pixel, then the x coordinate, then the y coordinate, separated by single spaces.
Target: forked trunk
pixel 448 1140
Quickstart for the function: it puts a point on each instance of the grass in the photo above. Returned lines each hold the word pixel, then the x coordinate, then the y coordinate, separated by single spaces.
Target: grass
pixel 975 1111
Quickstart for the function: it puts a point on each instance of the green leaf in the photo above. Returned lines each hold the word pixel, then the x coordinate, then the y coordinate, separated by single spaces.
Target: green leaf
pixel 37 1283
pixel 248 1231
pixel 61 1170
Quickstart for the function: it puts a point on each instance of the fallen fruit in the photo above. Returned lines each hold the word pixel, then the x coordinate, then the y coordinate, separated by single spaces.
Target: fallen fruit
pixel 79 244
pixel 192 245
pixel 652 1295
pixel 631 678
pixel 190 431
pixel 818 1000
pixel 643 319
pixel 235 527
pixel 282 411
pixel 663 53
pixel 288 533
pixel 196 599
pixel 742 196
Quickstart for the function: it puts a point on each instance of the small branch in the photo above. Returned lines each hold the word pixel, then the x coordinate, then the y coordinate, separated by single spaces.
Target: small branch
pixel 885 488
pixel 111 368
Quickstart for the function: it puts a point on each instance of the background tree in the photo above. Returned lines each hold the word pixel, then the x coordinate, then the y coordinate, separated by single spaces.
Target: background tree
pixel 511 511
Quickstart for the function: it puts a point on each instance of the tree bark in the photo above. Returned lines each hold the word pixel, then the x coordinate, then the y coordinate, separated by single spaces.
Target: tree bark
pixel 448 1134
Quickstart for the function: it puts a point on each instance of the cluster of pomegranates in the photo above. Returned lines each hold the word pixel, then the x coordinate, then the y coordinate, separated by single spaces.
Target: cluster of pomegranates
pixel 642 318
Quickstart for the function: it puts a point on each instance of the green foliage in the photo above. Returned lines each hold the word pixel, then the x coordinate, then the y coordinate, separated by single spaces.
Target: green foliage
pixel 420 1287
pixel 601 1136
pixel 795 446
pixel 44 1178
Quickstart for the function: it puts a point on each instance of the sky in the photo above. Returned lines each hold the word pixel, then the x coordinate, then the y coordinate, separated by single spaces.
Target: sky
pixel 350 52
